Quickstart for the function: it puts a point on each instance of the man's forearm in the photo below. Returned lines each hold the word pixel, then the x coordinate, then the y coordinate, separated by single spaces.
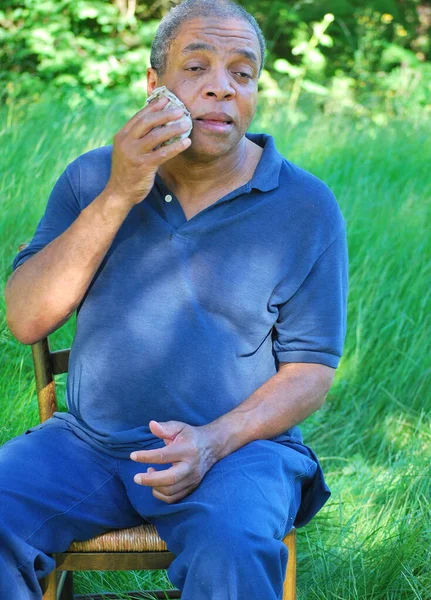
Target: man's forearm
pixel 290 396
pixel 43 293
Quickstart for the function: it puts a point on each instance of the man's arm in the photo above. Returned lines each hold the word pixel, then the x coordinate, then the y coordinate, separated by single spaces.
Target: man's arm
pixel 44 292
pixel 287 398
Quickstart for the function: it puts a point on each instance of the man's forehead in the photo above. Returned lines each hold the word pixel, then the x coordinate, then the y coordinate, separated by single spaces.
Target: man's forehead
pixel 245 52
pixel 210 33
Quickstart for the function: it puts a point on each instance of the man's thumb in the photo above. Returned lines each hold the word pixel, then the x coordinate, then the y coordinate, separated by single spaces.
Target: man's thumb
pixel 166 429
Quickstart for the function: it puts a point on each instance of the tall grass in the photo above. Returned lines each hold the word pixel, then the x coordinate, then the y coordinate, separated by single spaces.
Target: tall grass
pixel 372 540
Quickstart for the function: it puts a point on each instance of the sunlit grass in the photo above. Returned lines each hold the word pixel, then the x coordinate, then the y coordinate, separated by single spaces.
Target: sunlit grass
pixel 372 540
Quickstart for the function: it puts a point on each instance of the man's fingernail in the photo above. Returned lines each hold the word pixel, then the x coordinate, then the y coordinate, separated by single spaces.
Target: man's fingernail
pixel 137 479
pixel 133 456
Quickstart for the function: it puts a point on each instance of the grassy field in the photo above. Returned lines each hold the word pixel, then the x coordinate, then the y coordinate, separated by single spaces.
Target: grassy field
pixel 372 540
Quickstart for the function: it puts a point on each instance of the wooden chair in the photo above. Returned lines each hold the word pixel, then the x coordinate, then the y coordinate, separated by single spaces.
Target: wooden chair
pixel 137 548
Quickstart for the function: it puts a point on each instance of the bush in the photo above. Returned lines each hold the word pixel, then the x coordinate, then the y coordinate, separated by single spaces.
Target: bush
pixel 370 58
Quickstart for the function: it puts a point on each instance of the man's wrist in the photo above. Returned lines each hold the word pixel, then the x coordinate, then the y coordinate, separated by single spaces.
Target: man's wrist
pixel 225 435
pixel 113 206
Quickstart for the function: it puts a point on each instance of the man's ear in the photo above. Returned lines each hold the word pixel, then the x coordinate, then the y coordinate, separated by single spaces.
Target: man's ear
pixel 152 80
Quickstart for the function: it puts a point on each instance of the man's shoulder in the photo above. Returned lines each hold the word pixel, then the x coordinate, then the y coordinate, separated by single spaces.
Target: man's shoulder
pixel 305 186
pixel 305 201
pixel 292 186
pixel 94 159
pixel 89 173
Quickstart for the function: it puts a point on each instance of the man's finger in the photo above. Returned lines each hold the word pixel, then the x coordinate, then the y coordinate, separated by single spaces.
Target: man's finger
pixel 167 477
pixel 148 123
pixel 157 136
pixel 167 152
pixel 176 488
pixel 149 108
pixel 162 456
pixel 162 155
pixel 176 498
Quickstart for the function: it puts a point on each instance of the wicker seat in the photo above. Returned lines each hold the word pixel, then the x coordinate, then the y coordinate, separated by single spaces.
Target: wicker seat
pixel 126 549
pixel 136 539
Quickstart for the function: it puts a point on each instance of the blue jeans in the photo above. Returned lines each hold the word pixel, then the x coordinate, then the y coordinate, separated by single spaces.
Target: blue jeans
pixel 226 535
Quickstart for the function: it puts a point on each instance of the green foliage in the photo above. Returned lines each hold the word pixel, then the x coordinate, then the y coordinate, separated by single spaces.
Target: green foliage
pixel 377 70
pixel 85 44
pixel 312 61
pixel 364 58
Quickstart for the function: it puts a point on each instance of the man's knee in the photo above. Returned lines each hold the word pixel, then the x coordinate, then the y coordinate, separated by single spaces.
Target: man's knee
pixel 229 559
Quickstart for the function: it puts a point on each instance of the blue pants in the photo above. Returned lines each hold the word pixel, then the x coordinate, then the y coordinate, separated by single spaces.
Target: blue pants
pixel 226 535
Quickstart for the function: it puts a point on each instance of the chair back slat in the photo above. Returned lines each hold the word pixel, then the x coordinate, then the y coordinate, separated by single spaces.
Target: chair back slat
pixel 45 385
pixel 60 361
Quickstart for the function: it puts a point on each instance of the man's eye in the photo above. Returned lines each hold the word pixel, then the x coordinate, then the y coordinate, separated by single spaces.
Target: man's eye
pixel 243 75
pixel 194 69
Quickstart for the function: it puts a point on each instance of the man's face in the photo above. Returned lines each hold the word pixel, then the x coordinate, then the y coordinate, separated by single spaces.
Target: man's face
pixel 213 67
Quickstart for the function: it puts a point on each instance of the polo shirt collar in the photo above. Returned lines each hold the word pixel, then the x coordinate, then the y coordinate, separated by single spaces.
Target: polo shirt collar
pixel 267 173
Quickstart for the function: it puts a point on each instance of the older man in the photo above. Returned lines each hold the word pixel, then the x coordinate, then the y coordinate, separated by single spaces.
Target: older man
pixel 209 280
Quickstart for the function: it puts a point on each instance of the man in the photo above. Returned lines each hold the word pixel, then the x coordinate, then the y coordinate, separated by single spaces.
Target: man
pixel 209 276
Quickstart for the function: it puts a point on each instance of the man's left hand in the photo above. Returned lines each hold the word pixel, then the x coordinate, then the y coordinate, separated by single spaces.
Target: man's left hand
pixel 190 451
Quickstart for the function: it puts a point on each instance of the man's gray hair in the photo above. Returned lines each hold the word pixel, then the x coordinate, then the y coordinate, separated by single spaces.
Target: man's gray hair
pixel 193 9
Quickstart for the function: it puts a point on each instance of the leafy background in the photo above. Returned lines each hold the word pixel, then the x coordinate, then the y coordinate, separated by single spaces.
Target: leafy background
pixel 364 58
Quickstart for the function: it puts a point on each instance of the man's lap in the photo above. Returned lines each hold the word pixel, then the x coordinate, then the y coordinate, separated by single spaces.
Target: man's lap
pixel 238 515
pixel 257 488
pixel 57 488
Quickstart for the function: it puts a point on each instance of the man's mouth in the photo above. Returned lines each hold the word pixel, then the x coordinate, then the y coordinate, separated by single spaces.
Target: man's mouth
pixel 215 117
pixel 214 121
pixel 220 122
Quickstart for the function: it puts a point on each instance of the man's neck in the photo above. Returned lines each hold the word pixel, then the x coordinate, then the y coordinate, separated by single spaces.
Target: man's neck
pixel 192 179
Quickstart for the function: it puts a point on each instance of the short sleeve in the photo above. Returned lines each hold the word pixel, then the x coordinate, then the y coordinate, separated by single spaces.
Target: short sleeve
pixel 61 210
pixel 311 324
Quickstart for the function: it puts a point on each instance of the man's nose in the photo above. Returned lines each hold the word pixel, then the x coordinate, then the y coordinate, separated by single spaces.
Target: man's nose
pixel 218 85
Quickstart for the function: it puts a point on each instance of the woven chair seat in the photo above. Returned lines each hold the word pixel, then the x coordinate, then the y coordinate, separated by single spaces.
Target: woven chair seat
pixel 143 538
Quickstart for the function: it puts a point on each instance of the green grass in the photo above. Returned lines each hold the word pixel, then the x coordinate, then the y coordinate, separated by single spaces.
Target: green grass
pixel 372 540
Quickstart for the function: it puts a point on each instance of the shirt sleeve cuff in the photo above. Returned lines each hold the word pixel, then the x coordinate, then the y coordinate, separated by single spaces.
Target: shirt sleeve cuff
pixel 23 256
pixel 306 356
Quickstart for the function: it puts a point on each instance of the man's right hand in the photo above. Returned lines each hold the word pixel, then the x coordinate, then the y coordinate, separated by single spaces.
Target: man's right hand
pixel 135 159
pixel 43 293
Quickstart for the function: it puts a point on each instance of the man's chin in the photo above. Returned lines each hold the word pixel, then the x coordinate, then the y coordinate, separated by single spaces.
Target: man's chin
pixel 210 149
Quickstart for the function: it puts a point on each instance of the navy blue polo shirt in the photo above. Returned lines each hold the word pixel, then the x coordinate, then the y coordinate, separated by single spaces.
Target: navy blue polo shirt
pixel 185 319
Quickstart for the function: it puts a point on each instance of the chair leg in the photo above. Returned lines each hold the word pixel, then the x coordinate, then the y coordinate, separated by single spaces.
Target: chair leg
pixel 66 592
pixel 289 586
pixel 50 586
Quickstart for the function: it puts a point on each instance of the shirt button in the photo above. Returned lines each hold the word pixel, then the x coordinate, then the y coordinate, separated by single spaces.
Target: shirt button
pixel 168 198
